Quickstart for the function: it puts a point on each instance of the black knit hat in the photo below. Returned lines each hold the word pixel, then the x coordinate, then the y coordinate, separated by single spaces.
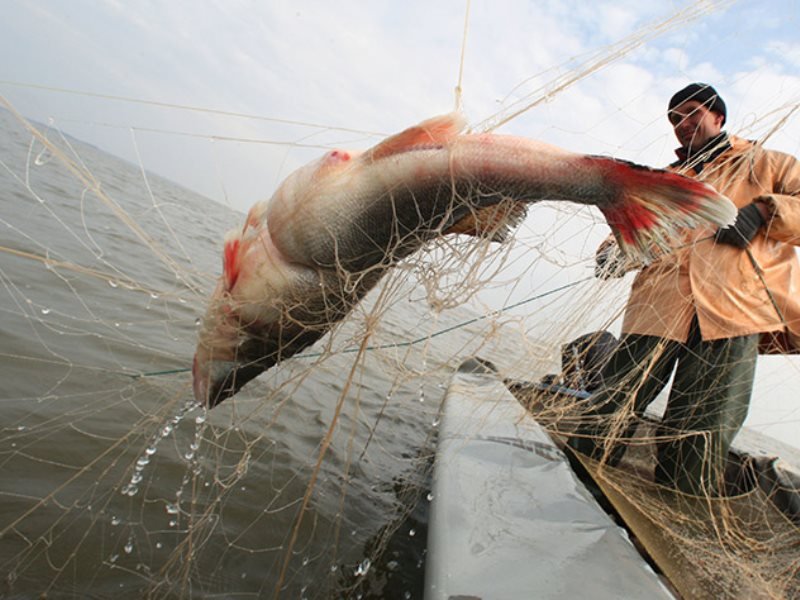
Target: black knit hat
pixel 703 93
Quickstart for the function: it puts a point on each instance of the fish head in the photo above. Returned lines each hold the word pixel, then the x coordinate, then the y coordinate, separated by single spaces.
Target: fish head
pixel 226 357
pixel 250 326
pixel 223 360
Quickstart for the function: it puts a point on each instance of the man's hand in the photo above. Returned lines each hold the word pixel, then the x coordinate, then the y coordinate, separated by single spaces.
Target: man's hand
pixel 749 220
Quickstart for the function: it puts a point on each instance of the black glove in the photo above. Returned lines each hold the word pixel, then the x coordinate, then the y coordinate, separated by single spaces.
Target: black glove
pixel 748 221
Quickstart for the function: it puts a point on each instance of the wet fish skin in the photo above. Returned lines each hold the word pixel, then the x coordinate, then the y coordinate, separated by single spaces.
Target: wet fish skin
pixel 305 257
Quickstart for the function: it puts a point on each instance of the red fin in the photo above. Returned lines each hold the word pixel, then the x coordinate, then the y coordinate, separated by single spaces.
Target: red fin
pixel 230 261
pixel 630 218
pixel 493 222
pixel 433 132
pixel 647 207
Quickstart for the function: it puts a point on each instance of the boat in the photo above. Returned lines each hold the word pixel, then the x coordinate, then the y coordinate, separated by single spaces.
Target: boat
pixel 509 518
pixel 514 514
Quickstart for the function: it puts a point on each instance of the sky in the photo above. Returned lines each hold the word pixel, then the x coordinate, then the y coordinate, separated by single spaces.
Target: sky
pixel 372 68
pixel 227 97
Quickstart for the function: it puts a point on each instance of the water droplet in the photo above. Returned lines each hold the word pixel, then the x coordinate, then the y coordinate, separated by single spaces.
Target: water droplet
pixel 150 450
pixel 189 455
pixel 115 521
pixel 407 595
pixel 21 428
pixel 113 283
pixel 132 490
pixel 200 419
pixel 143 461
pixel 136 478
pixel 167 429
pixel 435 422
pixel 363 568
pixel 392 565
pixel 159 545
pixel 113 558
pixel 173 523
pixel 429 496
pixel 197 322
pixel 129 546
pixel 412 532
pixel 172 509
pixel 305 561
pixel 42 158
pixel 244 575
pixel 181 300
pixel 154 296
pixel 334 568
pixel 45 311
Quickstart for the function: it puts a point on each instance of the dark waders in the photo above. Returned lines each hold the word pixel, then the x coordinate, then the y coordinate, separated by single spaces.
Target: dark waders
pixel 707 405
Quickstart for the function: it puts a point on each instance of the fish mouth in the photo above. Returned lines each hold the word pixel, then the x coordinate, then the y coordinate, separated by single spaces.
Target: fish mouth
pixel 222 379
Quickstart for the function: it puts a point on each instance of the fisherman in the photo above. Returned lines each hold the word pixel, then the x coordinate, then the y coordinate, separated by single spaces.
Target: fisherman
pixel 704 310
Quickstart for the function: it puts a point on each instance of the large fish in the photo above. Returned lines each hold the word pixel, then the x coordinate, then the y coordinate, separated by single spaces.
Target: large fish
pixel 305 257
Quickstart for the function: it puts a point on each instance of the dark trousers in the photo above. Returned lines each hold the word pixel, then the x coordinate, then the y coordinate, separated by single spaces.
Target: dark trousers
pixel 707 405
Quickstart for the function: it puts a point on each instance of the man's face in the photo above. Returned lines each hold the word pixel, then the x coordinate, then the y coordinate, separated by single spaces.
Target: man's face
pixel 694 124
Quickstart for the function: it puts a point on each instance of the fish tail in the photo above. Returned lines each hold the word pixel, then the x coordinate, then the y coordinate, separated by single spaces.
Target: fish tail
pixel 648 207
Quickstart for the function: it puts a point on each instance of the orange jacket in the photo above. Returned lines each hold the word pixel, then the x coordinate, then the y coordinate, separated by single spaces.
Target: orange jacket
pixel 718 282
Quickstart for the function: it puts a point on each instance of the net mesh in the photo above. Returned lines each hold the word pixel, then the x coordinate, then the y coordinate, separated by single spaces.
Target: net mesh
pixel 314 480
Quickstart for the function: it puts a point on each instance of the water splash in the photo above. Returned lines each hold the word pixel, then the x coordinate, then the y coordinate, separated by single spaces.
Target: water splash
pixel 132 487
pixel 363 567
pixel 42 158
pixel 191 456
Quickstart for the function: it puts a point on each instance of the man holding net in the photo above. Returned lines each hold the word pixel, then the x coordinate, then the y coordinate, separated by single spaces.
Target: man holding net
pixel 704 310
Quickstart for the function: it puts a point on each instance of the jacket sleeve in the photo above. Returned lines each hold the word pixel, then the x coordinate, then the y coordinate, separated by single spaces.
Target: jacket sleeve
pixel 783 202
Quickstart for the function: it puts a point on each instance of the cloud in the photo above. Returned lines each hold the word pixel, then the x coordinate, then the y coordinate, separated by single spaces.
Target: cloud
pixel 370 67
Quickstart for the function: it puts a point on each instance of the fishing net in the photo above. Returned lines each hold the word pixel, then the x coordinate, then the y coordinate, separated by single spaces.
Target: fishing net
pixel 314 480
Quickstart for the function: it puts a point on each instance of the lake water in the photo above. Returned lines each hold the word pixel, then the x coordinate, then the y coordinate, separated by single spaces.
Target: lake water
pixel 114 485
